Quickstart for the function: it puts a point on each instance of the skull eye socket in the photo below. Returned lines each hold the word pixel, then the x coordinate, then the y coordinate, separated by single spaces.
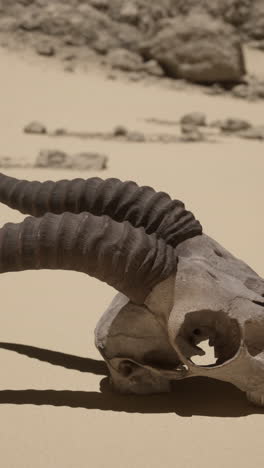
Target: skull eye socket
pixel 220 331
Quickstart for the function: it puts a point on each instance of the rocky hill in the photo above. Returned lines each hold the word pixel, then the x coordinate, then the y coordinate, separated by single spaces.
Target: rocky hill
pixel 198 40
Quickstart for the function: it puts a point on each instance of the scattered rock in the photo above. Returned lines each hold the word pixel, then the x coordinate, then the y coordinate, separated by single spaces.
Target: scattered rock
pixel 136 137
pixel 234 125
pixel 8 162
pixel 197 48
pixel 89 161
pixel 46 49
pixel 120 130
pixel 53 158
pixel 194 118
pixel 129 12
pixel 191 134
pixel 35 128
pixel 62 160
pixel 125 60
pixel 69 68
pixel 241 91
pixel 153 68
pixel 253 133
pixel 100 4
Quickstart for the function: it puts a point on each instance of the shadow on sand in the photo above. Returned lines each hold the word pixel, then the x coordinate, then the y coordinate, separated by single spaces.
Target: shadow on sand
pixel 190 397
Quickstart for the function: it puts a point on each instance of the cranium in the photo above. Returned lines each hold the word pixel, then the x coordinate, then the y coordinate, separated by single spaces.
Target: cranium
pixel 177 286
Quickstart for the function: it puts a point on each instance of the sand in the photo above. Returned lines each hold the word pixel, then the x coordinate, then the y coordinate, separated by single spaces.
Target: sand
pixel 59 411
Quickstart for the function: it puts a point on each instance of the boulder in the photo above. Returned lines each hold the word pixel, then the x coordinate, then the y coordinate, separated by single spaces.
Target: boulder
pixel 89 161
pixel 197 48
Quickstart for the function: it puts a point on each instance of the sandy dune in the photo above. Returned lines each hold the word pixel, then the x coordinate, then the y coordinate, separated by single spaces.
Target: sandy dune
pixel 53 413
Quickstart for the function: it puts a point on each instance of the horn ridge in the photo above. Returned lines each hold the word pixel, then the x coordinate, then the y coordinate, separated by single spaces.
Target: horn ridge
pixel 90 244
pixel 122 201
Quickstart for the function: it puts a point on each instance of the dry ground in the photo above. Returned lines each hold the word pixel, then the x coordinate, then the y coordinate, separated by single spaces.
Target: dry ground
pixel 56 417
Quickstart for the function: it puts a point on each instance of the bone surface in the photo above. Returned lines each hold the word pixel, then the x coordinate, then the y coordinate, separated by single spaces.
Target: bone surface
pixel 214 296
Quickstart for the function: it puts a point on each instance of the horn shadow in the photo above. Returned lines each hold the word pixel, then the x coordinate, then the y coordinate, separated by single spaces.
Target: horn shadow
pixel 199 396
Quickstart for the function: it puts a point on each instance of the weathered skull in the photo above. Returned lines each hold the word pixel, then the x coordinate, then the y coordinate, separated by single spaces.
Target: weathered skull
pixel 213 296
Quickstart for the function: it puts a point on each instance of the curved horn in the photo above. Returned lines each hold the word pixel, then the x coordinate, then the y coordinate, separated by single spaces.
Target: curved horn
pixel 122 201
pixel 124 257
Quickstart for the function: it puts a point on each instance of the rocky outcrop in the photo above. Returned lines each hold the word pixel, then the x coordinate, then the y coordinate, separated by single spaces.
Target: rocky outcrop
pixel 198 49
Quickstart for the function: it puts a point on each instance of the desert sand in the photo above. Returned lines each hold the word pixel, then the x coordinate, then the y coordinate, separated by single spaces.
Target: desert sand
pixel 56 408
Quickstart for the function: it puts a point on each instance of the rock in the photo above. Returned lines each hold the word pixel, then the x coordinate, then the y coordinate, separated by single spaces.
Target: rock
pixel 125 60
pixel 129 12
pixel 35 128
pixel 120 130
pixel 8 162
pixel 234 125
pixel 215 90
pixel 45 48
pixel 194 118
pixel 241 91
pixel 100 4
pixel 69 68
pixel 191 133
pixel 53 158
pixel 136 137
pixel 197 48
pixel 153 68
pixel 91 161
pixel 30 21
pixel 60 159
pixel 253 133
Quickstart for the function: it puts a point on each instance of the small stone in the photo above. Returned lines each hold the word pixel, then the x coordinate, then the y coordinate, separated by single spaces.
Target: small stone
pixel 35 128
pixel 253 133
pixel 120 130
pixel 8 162
pixel 234 125
pixel 60 131
pixel 125 60
pixel 197 119
pixel 69 68
pixel 52 159
pixel 153 68
pixel 136 137
pixel 45 49
pixel 241 91
pixel 89 161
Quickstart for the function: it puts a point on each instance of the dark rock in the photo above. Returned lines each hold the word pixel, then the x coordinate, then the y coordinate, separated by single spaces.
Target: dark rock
pixel 194 118
pixel 120 130
pixel 35 127
pixel 197 48
pixel 234 125
pixel 124 60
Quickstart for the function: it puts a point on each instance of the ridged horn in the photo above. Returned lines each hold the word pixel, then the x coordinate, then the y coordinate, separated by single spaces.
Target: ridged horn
pixel 122 201
pixel 117 253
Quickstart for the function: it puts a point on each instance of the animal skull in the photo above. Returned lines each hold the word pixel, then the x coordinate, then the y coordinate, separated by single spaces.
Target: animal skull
pixel 177 287
pixel 212 296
